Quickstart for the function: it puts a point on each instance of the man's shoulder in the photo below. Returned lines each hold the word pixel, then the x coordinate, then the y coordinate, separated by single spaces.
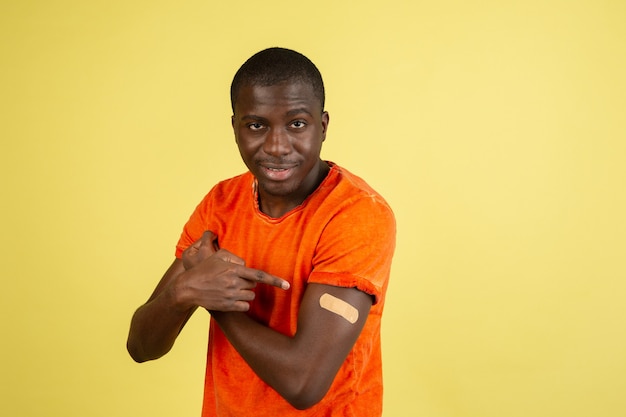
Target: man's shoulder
pixel 236 180
pixel 227 191
pixel 234 184
pixel 353 186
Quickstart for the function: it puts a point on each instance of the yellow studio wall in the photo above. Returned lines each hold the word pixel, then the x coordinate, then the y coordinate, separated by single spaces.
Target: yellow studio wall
pixel 496 130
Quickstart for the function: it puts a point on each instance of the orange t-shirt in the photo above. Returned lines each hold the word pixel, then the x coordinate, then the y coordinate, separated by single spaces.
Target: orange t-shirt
pixel 343 234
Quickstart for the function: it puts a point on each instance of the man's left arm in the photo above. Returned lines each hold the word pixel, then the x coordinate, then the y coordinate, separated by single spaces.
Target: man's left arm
pixel 302 368
pixel 355 251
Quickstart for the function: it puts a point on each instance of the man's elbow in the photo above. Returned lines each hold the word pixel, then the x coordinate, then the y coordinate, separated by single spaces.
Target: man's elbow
pixel 138 354
pixel 134 352
pixel 304 401
pixel 307 396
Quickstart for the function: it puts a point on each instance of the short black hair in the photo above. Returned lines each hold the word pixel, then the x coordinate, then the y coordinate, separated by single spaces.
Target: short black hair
pixel 276 65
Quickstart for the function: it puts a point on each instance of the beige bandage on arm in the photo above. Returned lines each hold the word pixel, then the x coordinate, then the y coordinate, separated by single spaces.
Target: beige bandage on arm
pixel 339 307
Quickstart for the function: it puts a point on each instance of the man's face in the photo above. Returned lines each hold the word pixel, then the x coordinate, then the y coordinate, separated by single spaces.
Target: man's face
pixel 279 131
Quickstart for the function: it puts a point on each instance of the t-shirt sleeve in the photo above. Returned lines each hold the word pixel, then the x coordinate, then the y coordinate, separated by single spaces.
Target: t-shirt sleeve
pixel 195 226
pixel 356 247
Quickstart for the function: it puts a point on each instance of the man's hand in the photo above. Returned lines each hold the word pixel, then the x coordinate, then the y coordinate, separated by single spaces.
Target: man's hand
pixel 200 250
pixel 217 279
pixel 206 276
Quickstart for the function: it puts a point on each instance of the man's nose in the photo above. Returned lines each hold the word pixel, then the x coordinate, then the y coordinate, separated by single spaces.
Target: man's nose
pixel 277 143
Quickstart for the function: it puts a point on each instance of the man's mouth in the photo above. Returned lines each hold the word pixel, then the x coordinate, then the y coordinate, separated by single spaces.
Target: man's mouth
pixel 277 173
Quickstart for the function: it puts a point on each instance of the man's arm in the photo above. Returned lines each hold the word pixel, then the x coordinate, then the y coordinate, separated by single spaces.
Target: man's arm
pixel 156 324
pixel 302 368
pixel 205 277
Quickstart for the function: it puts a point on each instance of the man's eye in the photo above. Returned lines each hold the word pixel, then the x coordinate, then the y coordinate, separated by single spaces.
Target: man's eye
pixel 298 124
pixel 255 126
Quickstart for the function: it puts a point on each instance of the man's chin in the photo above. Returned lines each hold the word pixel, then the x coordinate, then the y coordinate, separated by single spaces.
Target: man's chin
pixel 277 188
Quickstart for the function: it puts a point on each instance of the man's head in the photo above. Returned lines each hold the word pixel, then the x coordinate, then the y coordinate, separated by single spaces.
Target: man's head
pixel 274 66
pixel 280 124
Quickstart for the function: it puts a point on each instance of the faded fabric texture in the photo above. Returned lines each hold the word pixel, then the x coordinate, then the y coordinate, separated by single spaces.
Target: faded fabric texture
pixel 343 235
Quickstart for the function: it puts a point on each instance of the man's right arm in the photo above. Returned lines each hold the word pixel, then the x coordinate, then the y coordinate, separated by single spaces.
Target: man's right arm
pixel 207 277
pixel 156 324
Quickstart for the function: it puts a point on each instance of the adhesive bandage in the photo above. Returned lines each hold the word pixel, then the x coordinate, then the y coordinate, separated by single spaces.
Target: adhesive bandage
pixel 339 307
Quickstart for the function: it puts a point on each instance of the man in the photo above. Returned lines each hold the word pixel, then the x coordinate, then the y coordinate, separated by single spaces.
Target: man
pixel 291 259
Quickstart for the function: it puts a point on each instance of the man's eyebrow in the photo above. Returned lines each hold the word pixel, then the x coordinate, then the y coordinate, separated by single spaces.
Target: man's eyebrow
pixel 290 113
pixel 299 110
pixel 252 117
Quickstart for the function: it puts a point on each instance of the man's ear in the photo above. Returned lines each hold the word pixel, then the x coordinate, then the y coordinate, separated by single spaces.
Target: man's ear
pixel 325 121
pixel 232 123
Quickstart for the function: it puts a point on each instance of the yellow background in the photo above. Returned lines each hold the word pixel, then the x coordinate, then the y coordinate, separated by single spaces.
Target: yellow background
pixel 496 130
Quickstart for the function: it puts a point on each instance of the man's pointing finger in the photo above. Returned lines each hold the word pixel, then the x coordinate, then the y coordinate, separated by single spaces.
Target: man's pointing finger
pixel 263 277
